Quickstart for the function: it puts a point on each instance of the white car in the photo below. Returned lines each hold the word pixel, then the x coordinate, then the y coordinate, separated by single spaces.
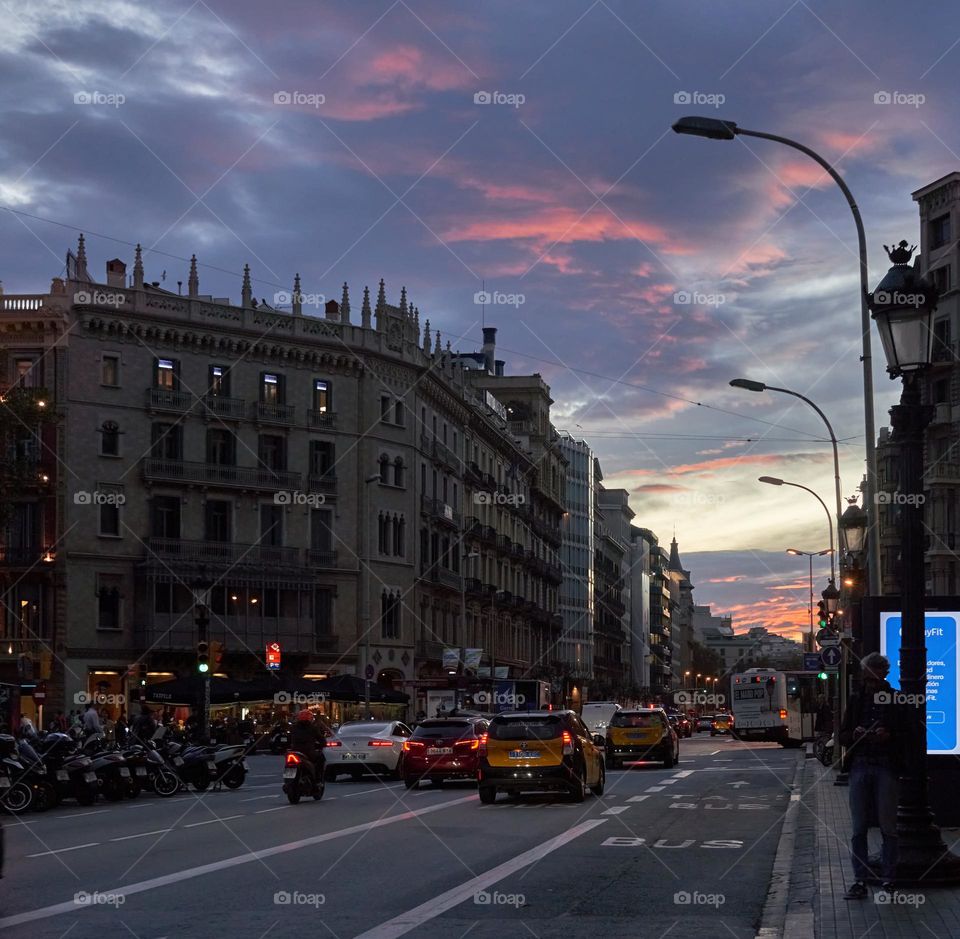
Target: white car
pixel 360 747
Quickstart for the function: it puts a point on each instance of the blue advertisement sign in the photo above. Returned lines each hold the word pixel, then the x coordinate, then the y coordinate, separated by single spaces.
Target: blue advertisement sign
pixel 943 664
pixel 811 661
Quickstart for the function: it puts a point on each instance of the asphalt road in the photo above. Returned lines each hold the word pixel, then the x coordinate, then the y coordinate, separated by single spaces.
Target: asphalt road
pixel 687 850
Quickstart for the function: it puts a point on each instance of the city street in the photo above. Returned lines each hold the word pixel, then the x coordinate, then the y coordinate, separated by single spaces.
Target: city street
pixel 690 848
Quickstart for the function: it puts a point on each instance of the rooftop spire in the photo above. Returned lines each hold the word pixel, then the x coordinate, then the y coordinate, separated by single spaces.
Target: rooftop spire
pixel 381 309
pixel 426 338
pixel 365 309
pixel 345 304
pixel 675 564
pixel 296 301
pixel 403 301
pixel 138 268
pixel 246 299
pixel 193 281
pixel 436 345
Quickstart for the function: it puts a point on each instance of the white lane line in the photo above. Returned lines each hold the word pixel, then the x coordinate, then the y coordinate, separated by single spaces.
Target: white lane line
pixel 616 809
pixel 668 782
pixel 654 789
pixel 189 873
pixel 211 821
pixel 277 809
pixel 637 798
pixel 713 753
pixel 82 814
pixel 683 774
pixel 143 834
pixel 795 797
pixel 722 761
pixel 257 798
pixel 76 847
pixel 419 915
pixel 367 792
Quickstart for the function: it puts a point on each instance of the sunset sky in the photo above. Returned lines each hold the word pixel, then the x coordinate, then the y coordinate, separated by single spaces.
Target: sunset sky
pixel 343 141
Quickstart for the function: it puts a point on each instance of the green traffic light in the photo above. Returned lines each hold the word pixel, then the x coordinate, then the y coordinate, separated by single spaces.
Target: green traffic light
pixel 203 667
pixel 822 676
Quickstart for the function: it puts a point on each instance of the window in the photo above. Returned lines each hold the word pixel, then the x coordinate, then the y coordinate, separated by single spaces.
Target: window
pixel 110 370
pixel 217 518
pixel 167 442
pixel 383 523
pixel 109 599
pixel 109 511
pixel 941 391
pixel 321 529
pixel 218 381
pixel 940 277
pixel 390 615
pixel 221 448
pixel 323 612
pixel 322 397
pixel 939 231
pixel 941 339
pixel 165 516
pixel 272 452
pixel 110 438
pixel 398 412
pixel 384 470
pixel 163 598
pixel 27 373
pixel 385 407
pixel 399 537
pixel 322 458
pixel 272 389
pixel 271 525
pixel 166 374
pixel 398 468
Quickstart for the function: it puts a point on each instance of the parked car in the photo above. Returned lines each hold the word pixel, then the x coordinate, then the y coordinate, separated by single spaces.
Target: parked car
pixel 704 722
pixel 360 747
pixel 681 725
pixel 443 749
pixel 538 750
pixel 641 734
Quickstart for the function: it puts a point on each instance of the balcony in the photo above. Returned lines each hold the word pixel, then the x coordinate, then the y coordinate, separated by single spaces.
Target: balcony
pixel 274 413
pixel 504 598
pixel 429 650
pixel 19 557
pixel 233 409
pixel 474 587
pixel 224 552
pixel 442 577
pixel 178 632
pixel 322 419
pixel 472 527
pixel 518 550
pixel 440 452
pixel 472 474
pixel 440 511
pixel 503 543
pixel 942 471
pixel 324 482
pixel 218 474
pixel 944 351
pixel 166 399
pixel 321 558
pixel 553 573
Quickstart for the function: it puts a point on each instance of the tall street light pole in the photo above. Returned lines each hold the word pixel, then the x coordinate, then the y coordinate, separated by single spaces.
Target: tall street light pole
pixel 366 548
pixel 903 306
pixel 466 556
pixel 774 481
pixel 811 555
pixel 715 129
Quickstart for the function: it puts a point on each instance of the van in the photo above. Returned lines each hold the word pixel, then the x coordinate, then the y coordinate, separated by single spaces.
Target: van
pixel 596 715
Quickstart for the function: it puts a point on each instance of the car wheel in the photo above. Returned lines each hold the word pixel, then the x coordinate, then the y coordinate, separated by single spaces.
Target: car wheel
pixel 411 782
pixel 669 761
pixel 578 789
pixel 597 790
pixel 488 794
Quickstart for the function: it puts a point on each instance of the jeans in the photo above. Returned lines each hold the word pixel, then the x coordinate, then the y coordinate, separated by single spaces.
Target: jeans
pixel 873 800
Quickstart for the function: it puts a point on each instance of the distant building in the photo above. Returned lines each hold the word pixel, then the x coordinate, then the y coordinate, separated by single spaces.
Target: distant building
pixel 681 626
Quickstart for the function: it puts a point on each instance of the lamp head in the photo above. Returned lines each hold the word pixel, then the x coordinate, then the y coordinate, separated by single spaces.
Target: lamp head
pixel 709 127
pixel 771 480
pixel 748 385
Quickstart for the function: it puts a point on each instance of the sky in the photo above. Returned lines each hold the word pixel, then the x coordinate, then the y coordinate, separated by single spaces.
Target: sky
pixel 524 150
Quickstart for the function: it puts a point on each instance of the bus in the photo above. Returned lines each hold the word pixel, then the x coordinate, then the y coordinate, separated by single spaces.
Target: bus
pixel 779 707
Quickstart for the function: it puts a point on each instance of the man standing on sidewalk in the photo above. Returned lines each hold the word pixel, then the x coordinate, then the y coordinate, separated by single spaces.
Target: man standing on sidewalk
pixel 873 732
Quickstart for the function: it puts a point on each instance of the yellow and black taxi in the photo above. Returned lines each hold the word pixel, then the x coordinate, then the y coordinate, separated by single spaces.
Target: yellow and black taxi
pixel 641 734
pixel 537 750
pixel 722 724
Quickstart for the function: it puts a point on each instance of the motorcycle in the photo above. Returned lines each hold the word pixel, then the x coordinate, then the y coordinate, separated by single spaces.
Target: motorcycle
pixel 194 766
pixel 299 780
pixel 70 771
pixel 16 793
pixel 279 739
pixel 149 770
pixel 113 771
pixel 231 765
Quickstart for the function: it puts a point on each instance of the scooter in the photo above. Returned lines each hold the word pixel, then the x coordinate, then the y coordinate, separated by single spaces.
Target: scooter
pixel 299 779
pixel 70 771
pixel 150 771
pixel 194 766
pixel 113 772
pixel 16 794
pixel 231 766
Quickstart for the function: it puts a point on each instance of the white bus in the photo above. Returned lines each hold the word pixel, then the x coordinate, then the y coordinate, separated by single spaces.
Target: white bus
pixel 779 707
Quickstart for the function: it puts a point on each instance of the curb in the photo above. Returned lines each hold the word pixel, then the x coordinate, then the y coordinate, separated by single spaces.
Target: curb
pixel 774 920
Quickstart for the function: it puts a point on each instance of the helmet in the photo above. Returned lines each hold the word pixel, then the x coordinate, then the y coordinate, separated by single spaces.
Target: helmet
pixel 305 715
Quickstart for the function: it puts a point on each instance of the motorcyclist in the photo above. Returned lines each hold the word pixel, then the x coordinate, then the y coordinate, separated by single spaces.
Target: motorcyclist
pixel 306 738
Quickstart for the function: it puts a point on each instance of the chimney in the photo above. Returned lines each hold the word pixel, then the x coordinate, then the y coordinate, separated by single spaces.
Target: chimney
pixel 500 363
pixel 489 347
pixel 116 273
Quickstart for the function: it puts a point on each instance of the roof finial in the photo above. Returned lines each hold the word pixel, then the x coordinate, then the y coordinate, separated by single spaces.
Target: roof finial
pixel 436 345
pixel 416 319
pixel 345 304
pixel 901 254
pixel 296 301
pixel 246 292
pixel 193 281
pixel 138 268
pixel 403 301
pixel 365 309
pixel 381 297
pixel 426 338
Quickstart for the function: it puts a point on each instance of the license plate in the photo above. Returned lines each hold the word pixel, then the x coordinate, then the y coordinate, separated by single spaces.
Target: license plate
pixel 124 772
pixel 62 775
pixel 439 751
pixel 4 782
pixel 141 771
pixel 178 761
pixel 89 777
pixel 354 756
pixel 289 774
pixel 524 754
pixel 283 739
pixel 212 766
pixel 638 735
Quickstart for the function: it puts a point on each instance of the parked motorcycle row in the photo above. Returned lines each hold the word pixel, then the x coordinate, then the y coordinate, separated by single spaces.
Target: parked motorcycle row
pixel 40 773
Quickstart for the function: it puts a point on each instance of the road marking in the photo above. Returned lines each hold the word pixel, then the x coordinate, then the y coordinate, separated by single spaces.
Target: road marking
pixel 70 906
pixel 655 789
pixel 668 782
pixel 713 753
pixel 683 773
pixel 367 792
pixel 277 809
pixel 143 834
pixel 81 814
pixel 422 914
pixel 276 795
pixel 616 809
pixel 637 798
pixel 76 847
pixel 722 761
pixel 211 821
pixel 795 797
pixel 739 783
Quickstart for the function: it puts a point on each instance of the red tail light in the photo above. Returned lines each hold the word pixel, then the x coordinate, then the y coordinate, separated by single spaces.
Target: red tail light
pixel 408 745
pixel 482 745
pixel 783 714
pixel 468 744
pixel 292 759
pixel 334 743
pixel 567 743
pixel 379 743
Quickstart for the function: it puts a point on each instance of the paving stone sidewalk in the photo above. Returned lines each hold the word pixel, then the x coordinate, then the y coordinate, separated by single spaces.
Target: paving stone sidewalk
pixel 823 851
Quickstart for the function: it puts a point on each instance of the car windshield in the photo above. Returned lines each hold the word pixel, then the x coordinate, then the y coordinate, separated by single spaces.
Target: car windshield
pixel 526 728
pixel 627 719
pixel 451 729
pixel 362 729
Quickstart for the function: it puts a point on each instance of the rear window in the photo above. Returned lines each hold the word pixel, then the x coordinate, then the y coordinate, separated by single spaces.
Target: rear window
pixel 626 719
pixel 526 728
pixel 362 729
pixel 451 729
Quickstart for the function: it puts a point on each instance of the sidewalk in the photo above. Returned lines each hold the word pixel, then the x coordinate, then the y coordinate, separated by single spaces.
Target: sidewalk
pixel 823 851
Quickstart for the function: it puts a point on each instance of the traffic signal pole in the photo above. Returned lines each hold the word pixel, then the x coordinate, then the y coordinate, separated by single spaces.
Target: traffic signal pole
pixel 203 667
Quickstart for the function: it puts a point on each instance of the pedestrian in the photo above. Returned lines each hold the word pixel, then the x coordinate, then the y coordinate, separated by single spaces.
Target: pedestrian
pixel 91 721
pixel 873 731
pixel 144 726
pixel 27 730
pixel 121 728
pixel 76 721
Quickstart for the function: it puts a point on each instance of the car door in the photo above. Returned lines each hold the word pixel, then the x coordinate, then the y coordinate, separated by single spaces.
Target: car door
pixel 591 754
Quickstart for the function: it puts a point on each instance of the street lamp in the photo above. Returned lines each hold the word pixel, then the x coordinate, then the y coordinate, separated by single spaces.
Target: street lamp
pixel 200 587
pixel 811 555
pixel 714 129
pixel 853 529
pixel 366 548
pixel 903 305
pixel 774 481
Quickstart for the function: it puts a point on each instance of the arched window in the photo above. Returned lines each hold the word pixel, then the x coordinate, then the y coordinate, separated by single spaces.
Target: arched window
pixel 398 472
pixel 384 469
pixel 382 534
pixel 400 537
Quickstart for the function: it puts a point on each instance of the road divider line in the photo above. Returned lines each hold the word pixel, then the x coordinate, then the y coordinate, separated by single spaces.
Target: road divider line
pixel 276 795
pixel 419 915
pixel 655 789
pixel 70 906
pixel 211 821
pixel 276 809
pixel 143 834
pixel 616 809
pixel 637 798
pixel 683 773
pixel 76 847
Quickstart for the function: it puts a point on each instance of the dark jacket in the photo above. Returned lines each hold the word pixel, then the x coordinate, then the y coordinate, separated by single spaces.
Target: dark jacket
pixel 868 710
pixel 308 740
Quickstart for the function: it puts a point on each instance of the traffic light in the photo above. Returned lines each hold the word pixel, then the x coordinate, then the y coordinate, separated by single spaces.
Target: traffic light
pixel 142 671
pixel 822 676
pixel 203 656
pixel 216 654
pixel 823 618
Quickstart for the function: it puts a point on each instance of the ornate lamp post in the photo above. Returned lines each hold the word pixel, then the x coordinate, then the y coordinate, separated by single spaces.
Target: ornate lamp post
pixel 903 305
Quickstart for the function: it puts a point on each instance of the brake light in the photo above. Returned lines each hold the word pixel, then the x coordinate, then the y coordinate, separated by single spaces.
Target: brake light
pixel 292 759
pixel 482 745
pixel 379 743
pixel 783 714
pixel 468 744
pixel 567 743
pixel 408 745
pixel 334 743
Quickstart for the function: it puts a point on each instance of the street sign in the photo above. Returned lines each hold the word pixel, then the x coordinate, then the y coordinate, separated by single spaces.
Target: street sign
pixel 811 661
pixel 831 656
pixel 273 655
pixel 827 637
